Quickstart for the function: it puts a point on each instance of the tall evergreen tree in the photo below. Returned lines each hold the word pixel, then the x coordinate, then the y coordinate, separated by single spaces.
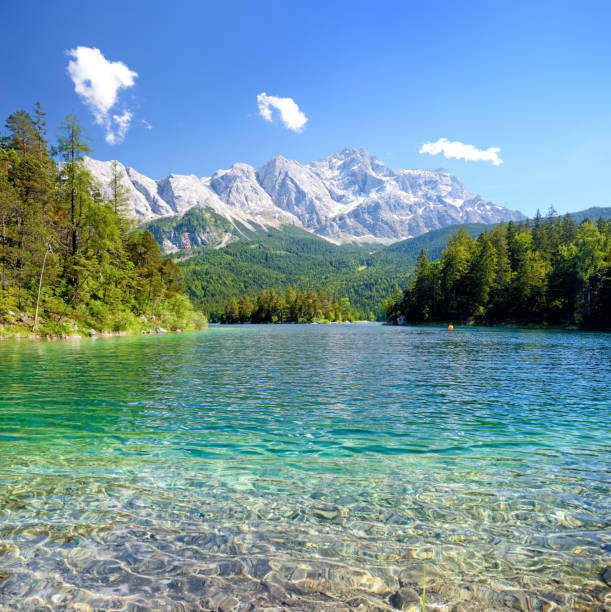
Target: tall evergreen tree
pixel 41 131
pixel 119 195
pixel 23 134
pixel 71 148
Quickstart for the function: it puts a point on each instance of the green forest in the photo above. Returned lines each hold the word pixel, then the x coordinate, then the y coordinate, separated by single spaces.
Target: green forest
pixel 71 261
pixel 548 270
pixel 290 306
pixel 291 257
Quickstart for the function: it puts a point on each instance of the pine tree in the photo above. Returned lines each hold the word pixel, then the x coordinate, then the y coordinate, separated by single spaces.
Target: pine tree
pixel 566 280
pixel 455 264
pixel 423 289
pixel 41 131
pixel 589 257
pixel 23 136
pixel 481 276
pixel 119 194
pixel 244 308
pixel 64 253
pixel 71 148
pixel 9 205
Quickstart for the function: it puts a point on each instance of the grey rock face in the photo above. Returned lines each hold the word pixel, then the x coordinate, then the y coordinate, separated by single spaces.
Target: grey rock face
pixel 298 190
pixel 348 196
pixel 239 189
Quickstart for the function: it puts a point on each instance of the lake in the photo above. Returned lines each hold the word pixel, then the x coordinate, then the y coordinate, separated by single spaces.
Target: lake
pixel 320 467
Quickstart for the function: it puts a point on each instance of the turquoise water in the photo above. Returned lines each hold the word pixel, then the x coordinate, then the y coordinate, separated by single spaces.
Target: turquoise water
pixel 307 468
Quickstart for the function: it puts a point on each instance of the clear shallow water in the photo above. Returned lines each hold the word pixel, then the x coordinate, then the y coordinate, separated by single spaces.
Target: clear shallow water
pixel 306 467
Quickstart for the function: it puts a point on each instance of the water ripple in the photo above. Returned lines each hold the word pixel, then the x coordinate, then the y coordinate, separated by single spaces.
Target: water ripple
pixel 307 467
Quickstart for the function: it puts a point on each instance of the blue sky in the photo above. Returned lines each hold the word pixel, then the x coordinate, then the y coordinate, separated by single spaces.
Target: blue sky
pixel 532 79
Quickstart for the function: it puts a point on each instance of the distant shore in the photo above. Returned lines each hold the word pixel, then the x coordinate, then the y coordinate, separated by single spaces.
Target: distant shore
pixel 500 325
pixel 296 322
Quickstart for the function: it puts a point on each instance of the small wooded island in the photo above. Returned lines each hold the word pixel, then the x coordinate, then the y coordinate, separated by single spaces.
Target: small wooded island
pixel 290 306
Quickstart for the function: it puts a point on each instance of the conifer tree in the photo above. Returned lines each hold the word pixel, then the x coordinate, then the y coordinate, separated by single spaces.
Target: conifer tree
pixel 23 134
pixel 119 195
pixel 41 130
pixel 71 148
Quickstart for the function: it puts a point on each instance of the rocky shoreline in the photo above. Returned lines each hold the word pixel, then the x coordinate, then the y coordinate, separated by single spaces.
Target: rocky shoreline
pixel 20 326
pixel 78 336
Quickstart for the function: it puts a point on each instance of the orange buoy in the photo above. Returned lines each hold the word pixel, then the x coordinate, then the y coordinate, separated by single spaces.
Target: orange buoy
pixel 450 327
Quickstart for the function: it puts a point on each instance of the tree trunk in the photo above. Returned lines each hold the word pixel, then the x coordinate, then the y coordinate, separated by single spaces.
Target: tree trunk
pixel 73 225
pixel 42 271
pixel 3 254
pixel 19 263
pixel 72 194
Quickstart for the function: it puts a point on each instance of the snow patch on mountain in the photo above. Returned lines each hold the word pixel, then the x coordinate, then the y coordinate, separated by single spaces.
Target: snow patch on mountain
pixel 348 196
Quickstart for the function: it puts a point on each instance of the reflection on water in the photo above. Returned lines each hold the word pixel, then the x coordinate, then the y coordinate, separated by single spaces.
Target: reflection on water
pixel 308 468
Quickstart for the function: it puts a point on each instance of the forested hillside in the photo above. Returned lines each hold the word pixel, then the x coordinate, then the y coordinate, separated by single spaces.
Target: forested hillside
pixel 548 270
pixel 291 257
pixel 71 261
pixel 595 212
pixel 434 242
pixel 279 259
pixel 204 227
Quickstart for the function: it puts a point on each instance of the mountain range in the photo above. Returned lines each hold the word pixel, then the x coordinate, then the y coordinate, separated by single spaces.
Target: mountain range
pixel 350 196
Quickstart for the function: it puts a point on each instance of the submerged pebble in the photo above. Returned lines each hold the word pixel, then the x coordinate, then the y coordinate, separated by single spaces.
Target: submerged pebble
pixel 281 469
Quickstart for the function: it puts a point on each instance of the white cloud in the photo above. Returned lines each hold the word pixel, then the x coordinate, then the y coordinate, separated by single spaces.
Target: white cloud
pixel 117 128
pixel 459 150
pixel 146 124
pixel 98 81
pixel 290 114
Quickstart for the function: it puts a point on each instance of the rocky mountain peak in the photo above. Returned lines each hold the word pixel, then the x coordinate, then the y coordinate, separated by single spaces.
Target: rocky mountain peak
pixel 348 196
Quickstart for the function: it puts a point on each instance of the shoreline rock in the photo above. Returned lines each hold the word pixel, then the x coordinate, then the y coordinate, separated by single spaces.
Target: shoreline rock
pixel 92 334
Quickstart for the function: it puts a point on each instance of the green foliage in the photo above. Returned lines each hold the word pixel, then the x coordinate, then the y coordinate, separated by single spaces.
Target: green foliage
pixel 548 270
pixel 295 258
pixel 365 274
pixel 290 306
pixel 119 198
pixel 67 260
pixel 204 226
pixel 423 588
pixel 177 313
pixel 434 241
